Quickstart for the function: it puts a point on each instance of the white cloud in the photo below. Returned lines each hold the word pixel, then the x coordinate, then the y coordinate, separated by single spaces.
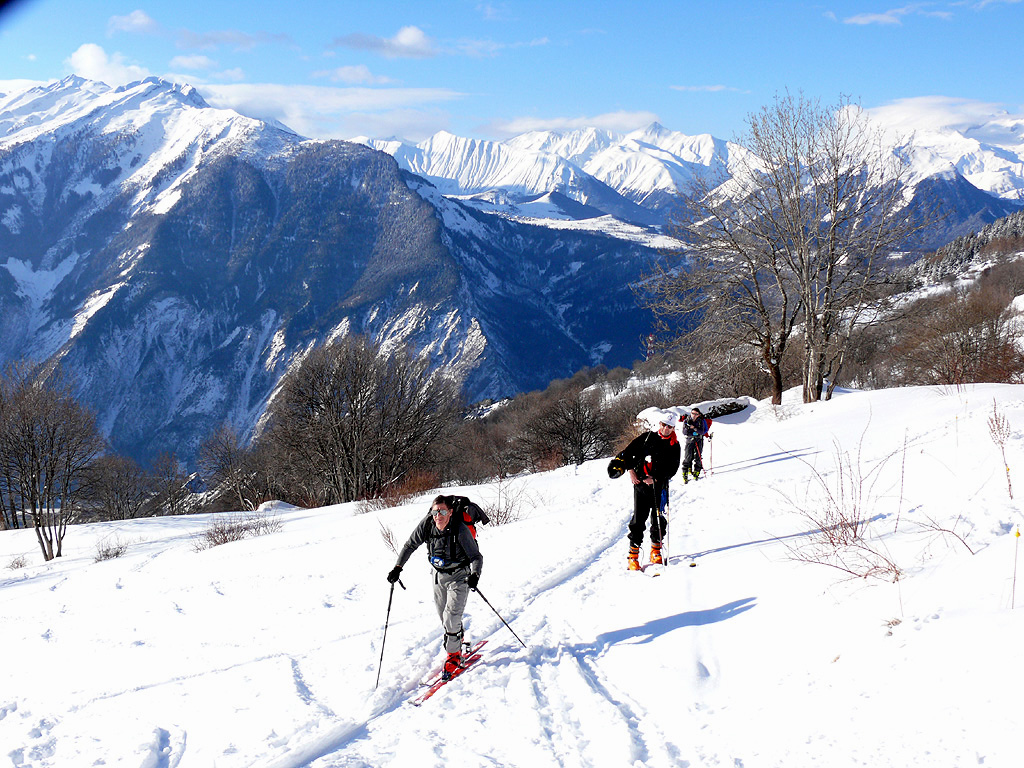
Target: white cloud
pixel 136 21
pixel 353 75
pixel 197 61
pixel 323 112
pixel 233 38
pixel 895 15
pixel 92 62
pixel 706 88
pixel 235 75
pixel 889 17
pixel 494 11
pixel 620 122
pixel 410 42
pixel 483 48
pixel 926 113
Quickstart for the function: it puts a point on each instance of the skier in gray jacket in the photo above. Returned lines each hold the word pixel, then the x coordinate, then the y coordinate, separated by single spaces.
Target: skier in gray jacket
pixel 457 562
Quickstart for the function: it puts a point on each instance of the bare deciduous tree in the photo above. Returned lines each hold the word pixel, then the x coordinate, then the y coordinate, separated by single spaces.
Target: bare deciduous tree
pixel 226 464
pixel 47 442
pixel 796 235
pixel 171 483
pixel 117 488
pixel 356 419
pixel 572 425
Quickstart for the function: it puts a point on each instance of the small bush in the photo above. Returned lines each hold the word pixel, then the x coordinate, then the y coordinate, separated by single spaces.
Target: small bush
pixel 1000 432
pixel 230 528
pixel 509 503
pixel 20 561
pixel 108 550
pixel 389 537
pixel 837 510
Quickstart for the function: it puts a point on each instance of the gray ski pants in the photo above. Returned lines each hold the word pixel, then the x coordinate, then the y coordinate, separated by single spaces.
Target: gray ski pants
pixel 450 594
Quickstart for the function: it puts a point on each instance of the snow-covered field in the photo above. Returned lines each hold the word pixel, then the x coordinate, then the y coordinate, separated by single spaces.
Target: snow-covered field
pixel 264 652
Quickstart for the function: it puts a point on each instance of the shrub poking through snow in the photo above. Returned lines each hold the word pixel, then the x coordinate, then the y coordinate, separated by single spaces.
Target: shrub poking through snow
pixel 227 528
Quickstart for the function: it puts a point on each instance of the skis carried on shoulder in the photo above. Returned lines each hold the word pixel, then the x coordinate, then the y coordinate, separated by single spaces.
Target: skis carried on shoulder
pixel 434 682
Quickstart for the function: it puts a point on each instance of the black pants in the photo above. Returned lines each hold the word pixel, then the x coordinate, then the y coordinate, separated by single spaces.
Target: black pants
pixel 691 457
pixel 645 501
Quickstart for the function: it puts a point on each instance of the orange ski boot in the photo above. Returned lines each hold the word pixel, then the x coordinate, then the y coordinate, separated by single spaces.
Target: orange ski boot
pixel 634 558
pixel 656 553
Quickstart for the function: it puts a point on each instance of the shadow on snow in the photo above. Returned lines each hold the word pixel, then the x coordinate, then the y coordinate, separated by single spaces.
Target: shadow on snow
pixel 650 630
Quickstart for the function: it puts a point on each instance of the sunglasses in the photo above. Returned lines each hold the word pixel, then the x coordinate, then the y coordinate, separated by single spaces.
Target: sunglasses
pixel 440 512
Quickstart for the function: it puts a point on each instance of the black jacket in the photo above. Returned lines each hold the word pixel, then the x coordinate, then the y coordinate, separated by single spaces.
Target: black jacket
pixel 651 455
pixel 696 429
pixel 447 550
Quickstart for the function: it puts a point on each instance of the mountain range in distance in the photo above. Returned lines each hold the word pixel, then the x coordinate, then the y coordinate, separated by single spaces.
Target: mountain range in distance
pixel 976 174
pixel 177 260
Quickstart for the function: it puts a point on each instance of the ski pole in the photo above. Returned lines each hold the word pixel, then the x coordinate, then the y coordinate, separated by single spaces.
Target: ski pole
pixel 477 590
pixel 661 503
pixel 387 619
pixel 664 533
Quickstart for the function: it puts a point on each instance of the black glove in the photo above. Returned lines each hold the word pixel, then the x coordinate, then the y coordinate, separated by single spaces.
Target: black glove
pixel 473 580
pixel 394 573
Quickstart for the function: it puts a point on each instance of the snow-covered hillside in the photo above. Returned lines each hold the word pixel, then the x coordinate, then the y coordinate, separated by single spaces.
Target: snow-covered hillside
pixel 264 652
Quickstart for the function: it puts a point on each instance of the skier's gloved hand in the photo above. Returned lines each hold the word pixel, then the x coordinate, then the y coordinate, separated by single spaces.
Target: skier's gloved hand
pixel 473 580
pixel 394 573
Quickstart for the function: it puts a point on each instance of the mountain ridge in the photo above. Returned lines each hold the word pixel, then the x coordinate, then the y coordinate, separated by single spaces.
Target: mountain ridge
pixel 178 259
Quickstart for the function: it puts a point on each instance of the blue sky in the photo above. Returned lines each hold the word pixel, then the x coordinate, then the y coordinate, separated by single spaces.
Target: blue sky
pixel 493 69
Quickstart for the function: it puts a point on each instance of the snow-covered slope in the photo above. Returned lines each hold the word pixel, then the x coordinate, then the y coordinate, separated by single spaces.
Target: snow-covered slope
pixel 265 652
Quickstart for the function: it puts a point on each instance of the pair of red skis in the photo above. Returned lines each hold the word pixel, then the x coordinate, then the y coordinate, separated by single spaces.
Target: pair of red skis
pixel 434 682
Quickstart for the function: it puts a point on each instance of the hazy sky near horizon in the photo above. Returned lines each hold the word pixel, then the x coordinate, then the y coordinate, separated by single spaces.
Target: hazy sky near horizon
pixel 492 69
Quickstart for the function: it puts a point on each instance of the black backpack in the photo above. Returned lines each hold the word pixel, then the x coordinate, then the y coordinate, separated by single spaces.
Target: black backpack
pixel 471 514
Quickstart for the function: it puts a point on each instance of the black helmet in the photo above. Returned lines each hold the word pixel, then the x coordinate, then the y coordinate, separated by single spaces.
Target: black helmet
pixel 616 468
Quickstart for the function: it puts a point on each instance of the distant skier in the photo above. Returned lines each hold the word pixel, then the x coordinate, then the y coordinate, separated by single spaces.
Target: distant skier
pixel 452 550
pixel 695 429
pixel 652 459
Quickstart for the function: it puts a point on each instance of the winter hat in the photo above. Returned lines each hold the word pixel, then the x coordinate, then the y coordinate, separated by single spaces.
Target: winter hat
pixel 670 418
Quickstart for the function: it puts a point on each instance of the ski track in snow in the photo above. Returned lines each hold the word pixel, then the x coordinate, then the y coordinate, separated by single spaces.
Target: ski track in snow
pixel 264 653
pixel 559 673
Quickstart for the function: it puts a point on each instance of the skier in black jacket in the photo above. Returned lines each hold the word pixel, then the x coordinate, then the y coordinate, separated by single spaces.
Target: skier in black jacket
pixel 652 459
pixel 452 550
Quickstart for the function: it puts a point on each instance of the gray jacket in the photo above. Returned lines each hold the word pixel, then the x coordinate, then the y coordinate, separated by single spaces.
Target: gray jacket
pixel 447 550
